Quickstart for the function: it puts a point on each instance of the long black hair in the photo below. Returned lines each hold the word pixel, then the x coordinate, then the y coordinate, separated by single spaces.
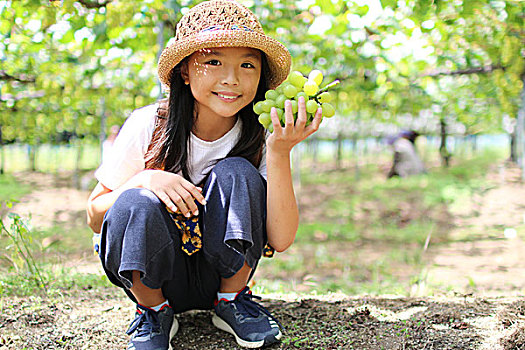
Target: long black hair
pixel 169 148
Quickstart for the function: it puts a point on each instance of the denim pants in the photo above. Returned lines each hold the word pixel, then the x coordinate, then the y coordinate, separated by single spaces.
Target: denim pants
pixel 138 234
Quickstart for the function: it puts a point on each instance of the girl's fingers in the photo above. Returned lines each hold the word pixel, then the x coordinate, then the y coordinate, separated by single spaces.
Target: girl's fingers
pixel 196 192
pixel 288 115
pixel 193 191
pixel 180 203
pixel 301 114
pixel 189 201
pixel 163 196
pixel 275 120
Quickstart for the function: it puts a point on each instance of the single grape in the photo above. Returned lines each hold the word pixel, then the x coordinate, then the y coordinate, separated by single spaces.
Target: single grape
pixel 296 79
pixel 325 97
pixel 311 106
pixel 265 119
pixel 271 95
pixel 270 128
pixel 310 87
pixel 316 75
pixel 302 93
pixel 290 91
pixel 328 110
pixel 309 119
pixel 279 101
pixel 267 105
pixel 258 107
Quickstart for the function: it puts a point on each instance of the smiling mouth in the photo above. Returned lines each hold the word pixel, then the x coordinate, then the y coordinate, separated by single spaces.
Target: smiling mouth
pixel 227 97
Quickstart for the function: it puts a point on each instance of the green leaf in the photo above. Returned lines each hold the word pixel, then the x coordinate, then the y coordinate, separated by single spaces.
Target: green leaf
pixel 422 8
pixel 389 3
pixel 468 8
pixel 362 10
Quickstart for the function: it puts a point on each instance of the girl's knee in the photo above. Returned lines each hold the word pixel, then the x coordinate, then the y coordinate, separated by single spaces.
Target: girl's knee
pixel 236 168
pixel 138 205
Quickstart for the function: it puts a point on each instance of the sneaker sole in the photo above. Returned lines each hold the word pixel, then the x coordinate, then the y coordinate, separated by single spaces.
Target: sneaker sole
pixel 173 331
pixel 221 324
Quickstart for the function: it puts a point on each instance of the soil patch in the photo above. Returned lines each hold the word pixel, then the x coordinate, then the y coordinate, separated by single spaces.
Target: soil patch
pixel 53 201
pixel 82 321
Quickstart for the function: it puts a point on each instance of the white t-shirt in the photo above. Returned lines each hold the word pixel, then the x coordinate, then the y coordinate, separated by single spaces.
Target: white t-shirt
pixel 127 154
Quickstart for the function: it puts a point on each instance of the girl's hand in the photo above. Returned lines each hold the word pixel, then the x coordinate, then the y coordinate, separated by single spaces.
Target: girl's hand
pixel 283 139
pixel 174 190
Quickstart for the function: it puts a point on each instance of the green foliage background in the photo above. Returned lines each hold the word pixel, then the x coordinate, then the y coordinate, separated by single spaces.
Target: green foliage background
pixel 66 63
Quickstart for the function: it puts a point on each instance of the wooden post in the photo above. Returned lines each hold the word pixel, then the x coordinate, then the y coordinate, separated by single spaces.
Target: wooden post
pixel 513 155
pixel 443 151
pixel 339 156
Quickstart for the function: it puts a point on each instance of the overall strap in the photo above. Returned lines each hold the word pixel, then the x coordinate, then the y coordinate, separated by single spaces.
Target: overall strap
pixel 162 112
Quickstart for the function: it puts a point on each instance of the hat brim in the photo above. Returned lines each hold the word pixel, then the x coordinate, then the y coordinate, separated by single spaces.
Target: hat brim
pixel 279 58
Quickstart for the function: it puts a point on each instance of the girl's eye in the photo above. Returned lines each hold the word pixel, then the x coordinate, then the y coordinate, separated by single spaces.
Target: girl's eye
pixel 213 62
pixel 247 65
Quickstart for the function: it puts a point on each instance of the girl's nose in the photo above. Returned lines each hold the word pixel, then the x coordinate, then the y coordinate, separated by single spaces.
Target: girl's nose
pixel 230 76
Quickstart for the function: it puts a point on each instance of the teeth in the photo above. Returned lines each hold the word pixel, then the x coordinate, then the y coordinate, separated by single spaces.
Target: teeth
pixel 227 97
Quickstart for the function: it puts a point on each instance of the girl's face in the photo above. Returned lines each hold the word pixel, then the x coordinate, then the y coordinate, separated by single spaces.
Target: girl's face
pixel 223 80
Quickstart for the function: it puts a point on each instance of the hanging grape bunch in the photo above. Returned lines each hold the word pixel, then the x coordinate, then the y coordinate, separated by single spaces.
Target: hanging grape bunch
pixel 295 86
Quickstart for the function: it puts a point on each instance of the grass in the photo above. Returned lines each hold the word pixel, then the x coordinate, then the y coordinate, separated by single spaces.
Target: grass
pixel 58 279
pixel 47 250
pixel 373 207
pixel 54 249
pixel 44 260
pixel 10 189
pixel 360 235
pixel 368 235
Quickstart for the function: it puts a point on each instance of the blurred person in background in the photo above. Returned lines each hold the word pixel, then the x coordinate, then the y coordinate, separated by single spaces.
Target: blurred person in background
pixel 406 160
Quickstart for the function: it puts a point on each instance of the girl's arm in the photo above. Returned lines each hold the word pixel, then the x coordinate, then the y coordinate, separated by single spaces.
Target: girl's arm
pixel 101 199
pixel 172 189
pixel 282 213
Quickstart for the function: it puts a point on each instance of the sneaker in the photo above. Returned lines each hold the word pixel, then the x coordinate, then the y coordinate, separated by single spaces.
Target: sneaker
pixel 152 330
pixel 252 325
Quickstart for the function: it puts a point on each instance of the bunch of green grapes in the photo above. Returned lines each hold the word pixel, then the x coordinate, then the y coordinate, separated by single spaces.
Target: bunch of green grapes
pixel 295 86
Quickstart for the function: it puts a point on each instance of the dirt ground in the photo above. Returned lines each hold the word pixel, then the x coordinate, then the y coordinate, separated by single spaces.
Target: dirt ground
pixel 486 311
pixel 488 260
pixel 330 322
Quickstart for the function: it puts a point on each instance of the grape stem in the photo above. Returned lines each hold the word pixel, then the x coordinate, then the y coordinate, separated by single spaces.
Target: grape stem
pixel 326 88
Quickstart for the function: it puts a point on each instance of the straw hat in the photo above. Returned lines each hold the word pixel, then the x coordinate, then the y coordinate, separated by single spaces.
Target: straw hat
pixel 222 23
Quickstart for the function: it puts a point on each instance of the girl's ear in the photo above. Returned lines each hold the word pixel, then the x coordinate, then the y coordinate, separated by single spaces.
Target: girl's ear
pixel 184 72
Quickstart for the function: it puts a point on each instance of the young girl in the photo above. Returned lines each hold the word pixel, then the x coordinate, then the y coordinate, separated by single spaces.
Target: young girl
pixel 195 191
